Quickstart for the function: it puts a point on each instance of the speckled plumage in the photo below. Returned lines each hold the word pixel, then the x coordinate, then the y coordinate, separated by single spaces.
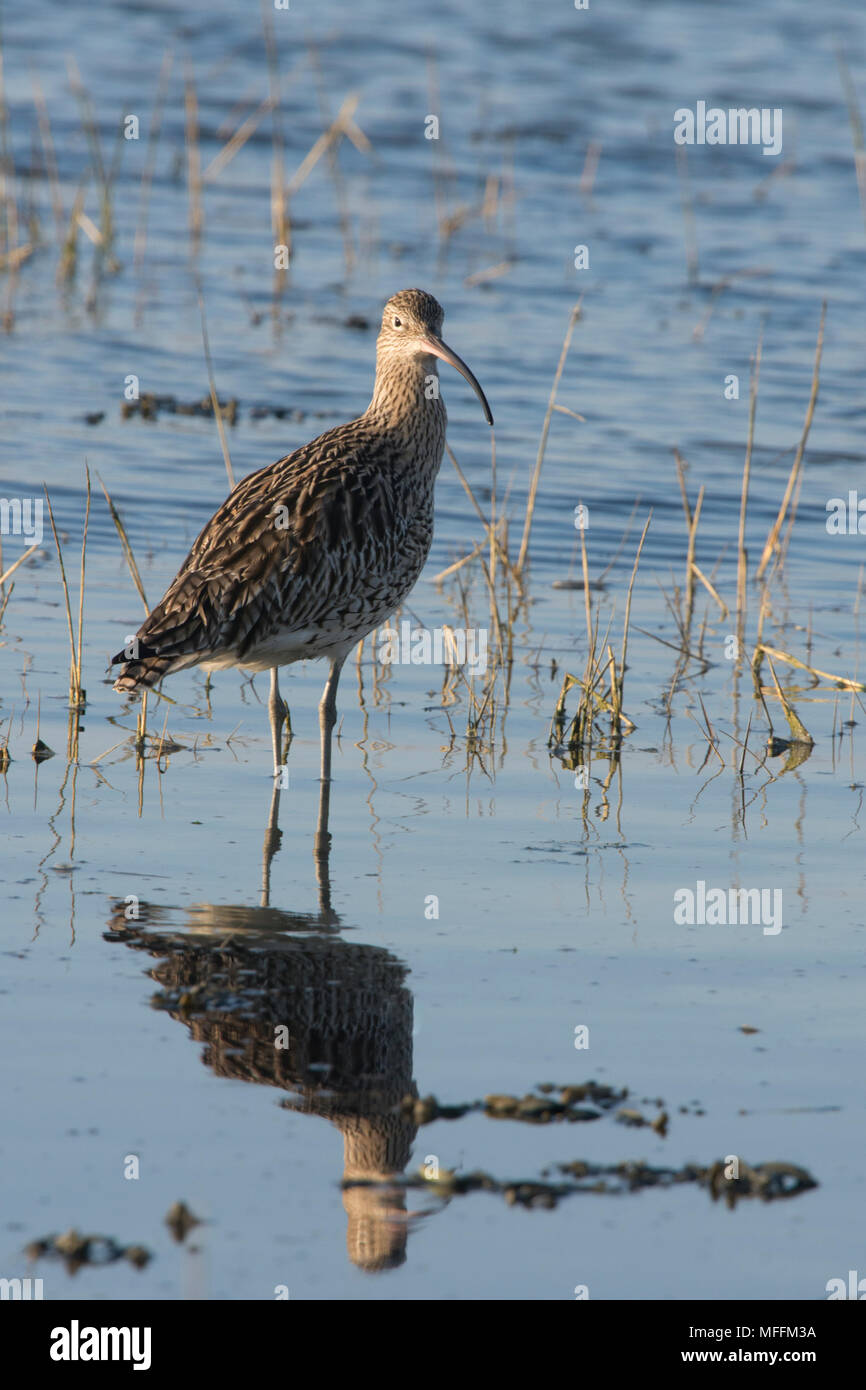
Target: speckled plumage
pixel 307 556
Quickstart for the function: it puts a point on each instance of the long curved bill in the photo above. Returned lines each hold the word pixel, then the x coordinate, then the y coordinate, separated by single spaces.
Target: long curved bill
pixel 436 346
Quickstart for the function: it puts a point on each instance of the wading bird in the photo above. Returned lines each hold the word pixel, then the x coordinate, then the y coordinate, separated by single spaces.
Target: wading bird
pixel 307 556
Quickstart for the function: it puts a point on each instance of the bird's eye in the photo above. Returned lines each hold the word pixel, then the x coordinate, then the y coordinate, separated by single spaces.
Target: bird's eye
pixel 398 323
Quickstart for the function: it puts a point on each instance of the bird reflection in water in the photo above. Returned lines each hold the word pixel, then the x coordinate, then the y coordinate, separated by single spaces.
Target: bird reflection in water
pixel 236 976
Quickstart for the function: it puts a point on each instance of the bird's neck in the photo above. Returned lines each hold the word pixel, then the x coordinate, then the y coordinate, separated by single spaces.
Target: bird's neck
pixel 406 398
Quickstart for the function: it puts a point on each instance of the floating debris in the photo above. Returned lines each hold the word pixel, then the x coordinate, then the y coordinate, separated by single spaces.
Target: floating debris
pixel 636 1120
pixel 180 1221
pixel 279 412
pixel 41 751
pixel 532 1109
pixel 150 406
pixel 77 1250
pixel 767 1181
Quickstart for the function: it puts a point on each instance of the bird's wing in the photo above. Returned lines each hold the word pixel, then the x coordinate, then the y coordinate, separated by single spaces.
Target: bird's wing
pixel 285 543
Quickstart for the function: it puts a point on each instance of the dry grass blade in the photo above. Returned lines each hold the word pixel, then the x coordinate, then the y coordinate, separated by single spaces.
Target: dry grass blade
pixel 545 430
pixel 5 756
pixel 586 596
pixel 193 160
pixel 691 521
pixel 442 174
pixel 742 557
pixel 13 253
pixel 723 607
pixel 105 178
pixel 691 567
pixel 590 165
pixel 49 156
pixel 127 548
pixel 281 225
pixel 494 613
pixel 88 120
pixel 695 656
pixel 458 564
pixel 213 395
pixel 772 542
pixel 682 468
pixel 338 127
pixel 73 693
pixel 90 229
pixel 11 260
pixel 80 647
pixel 492 272
pixel 841 682
pixel 746 748
pixel 479 513
pixel 628 603
pixel 799 732
pixel 69 251
pixel 564 410
pixel 224 156
pixel 709 735
pixel 559 710
pixel 334 164
pixel 20 561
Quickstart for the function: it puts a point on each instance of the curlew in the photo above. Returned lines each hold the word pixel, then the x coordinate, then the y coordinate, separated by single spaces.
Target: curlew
pixel 309 555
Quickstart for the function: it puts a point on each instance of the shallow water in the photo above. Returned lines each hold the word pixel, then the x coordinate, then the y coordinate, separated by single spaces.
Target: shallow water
pixel 153 1038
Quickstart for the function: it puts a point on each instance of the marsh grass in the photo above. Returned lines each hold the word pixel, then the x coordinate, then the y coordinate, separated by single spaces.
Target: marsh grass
pixel 12 254
pixel 99 176
pixel 127 547
pixel 50 157
pixel 599 723
pixel 77 695
pixel 142 738
pixel 545 430
pixel 489 577
pixel 600 716
pixel 281 224
pixel 772 546
pixel 742 556
pixel 5 755
pixel 214 399
pixel 774 556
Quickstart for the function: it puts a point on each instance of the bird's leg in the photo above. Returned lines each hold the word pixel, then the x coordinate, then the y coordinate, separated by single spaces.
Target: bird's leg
pixel 328 714
pixel 322 851
pixel 273 836
pixel 277 712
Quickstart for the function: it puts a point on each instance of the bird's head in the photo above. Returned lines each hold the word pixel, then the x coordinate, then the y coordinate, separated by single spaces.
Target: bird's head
pixel 412 329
